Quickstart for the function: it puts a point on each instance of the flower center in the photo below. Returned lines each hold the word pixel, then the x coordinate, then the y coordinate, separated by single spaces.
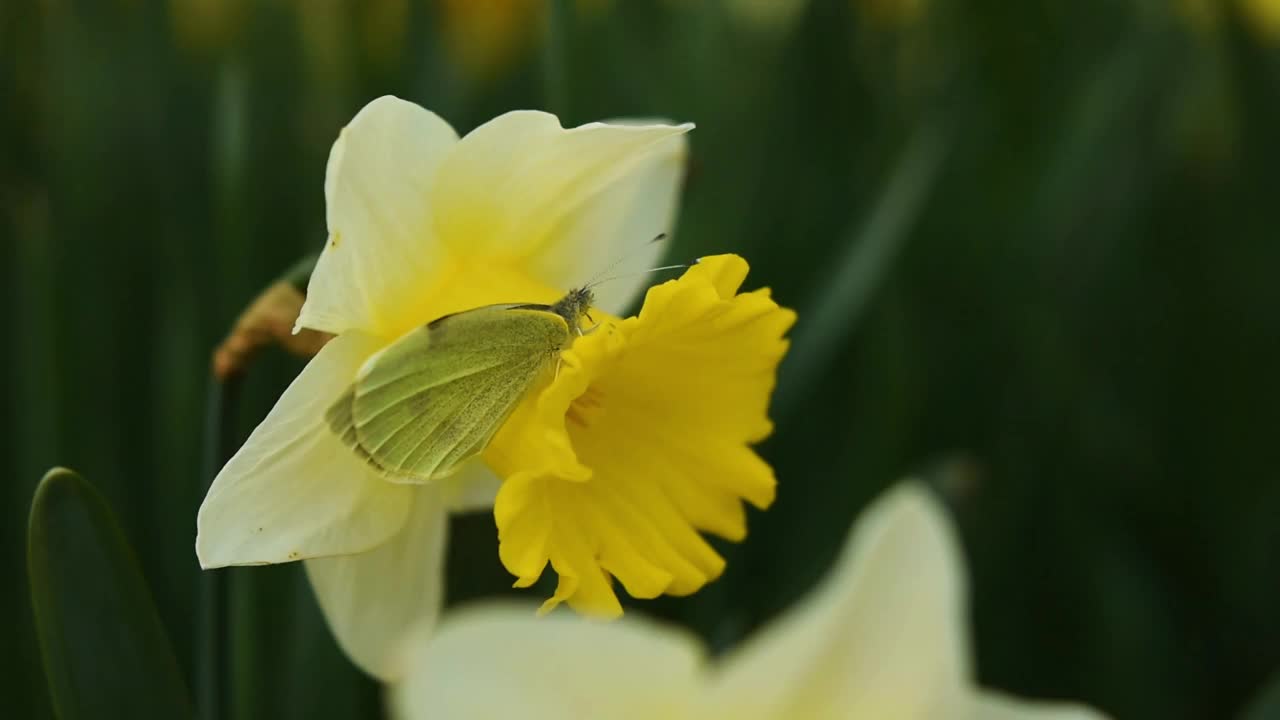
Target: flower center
pixel 587 408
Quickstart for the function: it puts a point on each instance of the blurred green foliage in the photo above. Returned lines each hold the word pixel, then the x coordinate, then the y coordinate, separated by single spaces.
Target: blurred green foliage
pixel 1069 324
pixel 105 653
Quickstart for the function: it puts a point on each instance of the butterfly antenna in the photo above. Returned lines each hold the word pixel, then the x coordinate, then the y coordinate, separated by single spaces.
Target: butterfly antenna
pixel 681 266
pixel 617 261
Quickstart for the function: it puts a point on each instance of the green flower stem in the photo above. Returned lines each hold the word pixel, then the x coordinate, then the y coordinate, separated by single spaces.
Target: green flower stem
pixel 870 251
pixel 555 61
pixel 299 274
pixel 213 670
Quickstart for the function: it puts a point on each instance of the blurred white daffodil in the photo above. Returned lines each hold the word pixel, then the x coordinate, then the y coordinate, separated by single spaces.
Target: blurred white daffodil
pixel 884 637
pixel 423 224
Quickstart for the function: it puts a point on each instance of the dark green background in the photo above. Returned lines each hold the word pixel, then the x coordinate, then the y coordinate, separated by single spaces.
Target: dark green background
pixel 1032 245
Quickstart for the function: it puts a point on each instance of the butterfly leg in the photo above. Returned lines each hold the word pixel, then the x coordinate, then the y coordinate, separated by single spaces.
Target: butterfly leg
pixel 591 329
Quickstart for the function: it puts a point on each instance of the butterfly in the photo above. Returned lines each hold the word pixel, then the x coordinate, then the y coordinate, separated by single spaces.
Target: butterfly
pixel 434 398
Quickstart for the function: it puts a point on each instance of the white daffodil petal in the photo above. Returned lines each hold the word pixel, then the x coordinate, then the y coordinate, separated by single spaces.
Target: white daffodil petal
pixel 995 706
pixel 610 235
pixel 380 245
pixel 561 202
pixel 499 661
pixel 293 490
pixel 472 488
pixel 372 599
pixel 882 636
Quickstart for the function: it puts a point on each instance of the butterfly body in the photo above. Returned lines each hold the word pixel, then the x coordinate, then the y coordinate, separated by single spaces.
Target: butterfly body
pixel 435 397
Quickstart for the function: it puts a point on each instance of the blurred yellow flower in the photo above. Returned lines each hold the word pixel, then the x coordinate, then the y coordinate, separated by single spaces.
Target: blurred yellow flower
pixel 484 37
pixel 207 25
pixel 882 638
pixel 779 16
pixel 1264 15
pixel 422 224
pixel 644 438
pixel 775 16
pixel 891 13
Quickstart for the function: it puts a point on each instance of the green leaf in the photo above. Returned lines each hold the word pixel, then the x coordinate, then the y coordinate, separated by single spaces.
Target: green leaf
pixel 106 654
pixel 1266 704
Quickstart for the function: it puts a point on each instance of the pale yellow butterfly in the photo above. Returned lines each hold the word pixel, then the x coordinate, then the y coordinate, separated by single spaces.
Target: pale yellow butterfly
pixel 435 397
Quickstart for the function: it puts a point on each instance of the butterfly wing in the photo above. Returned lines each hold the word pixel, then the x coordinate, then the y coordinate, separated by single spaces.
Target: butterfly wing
pixel 436 396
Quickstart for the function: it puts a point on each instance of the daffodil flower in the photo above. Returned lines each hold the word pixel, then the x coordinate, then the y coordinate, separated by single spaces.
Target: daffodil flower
pixel 642 440
pixel 422 224
pixel 882 638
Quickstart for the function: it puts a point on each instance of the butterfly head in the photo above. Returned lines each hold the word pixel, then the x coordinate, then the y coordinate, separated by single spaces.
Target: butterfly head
pixel 575 305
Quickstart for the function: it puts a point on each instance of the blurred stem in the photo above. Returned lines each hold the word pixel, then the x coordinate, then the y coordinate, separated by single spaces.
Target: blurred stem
pixel 1114 95
pixel 230 131
pixel 299 274
pixel 555 61
pixel 1266 704
pixel 213 658
pixel 871 249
